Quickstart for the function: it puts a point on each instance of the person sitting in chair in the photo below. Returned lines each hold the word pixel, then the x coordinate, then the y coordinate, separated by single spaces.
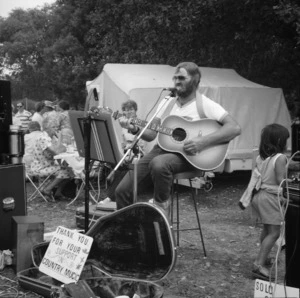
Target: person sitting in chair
pixel 159 165
pixel 29 142
pixel 129 109
pixel 48 145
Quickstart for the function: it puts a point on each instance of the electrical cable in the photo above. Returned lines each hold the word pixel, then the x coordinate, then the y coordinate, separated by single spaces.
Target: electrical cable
pixel 297 227
pixel 155 103
pixel 285 203
pixel 281 236
pixel 7 293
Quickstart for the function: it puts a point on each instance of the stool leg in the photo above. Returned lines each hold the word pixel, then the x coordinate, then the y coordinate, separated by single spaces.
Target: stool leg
pixel 177 214
pixel 172 205
pixel 177 210
pixel 198 219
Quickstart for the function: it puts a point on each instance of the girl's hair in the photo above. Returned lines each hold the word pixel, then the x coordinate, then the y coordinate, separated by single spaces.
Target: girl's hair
pixel 273 140
pixel 129 104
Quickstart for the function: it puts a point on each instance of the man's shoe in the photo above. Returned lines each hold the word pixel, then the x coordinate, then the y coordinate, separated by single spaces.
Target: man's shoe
pixel 164 206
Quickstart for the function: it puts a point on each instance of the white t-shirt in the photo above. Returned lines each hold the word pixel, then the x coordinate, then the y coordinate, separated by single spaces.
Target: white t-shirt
pixel 189 111
pixel 37 117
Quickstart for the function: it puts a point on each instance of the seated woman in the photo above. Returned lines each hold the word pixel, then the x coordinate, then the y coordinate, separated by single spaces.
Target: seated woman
pixel 29 142
pixel 46 146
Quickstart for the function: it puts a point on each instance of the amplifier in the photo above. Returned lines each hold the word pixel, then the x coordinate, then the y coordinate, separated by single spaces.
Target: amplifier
pixel 5 105
pixel 292 250
pixel 293 191
pixel 5 118
pixel 12 200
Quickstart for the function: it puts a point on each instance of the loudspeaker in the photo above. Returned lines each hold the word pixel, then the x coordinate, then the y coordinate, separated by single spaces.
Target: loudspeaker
pixel 12 200
pixel 296 138
pixel 5 115
pixel 5 105
pixel 292 250
pixel 28 231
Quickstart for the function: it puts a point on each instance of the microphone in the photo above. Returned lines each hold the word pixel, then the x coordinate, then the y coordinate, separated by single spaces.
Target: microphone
pixel 172 90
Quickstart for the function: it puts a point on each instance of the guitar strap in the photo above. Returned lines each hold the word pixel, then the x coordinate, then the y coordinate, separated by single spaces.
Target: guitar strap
pixel 199 103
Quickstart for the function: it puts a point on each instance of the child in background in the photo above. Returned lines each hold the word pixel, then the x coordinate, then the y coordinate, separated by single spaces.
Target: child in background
pixel 271 163
pixel 129 108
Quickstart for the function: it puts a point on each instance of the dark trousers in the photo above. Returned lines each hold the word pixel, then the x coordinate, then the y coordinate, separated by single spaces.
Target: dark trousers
pixel 158 167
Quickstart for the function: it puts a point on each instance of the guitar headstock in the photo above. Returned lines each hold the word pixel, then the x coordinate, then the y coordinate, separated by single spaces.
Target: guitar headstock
pixel 116 115
pixel 98 110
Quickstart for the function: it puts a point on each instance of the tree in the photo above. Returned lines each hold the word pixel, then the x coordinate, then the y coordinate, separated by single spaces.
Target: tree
pixel 52 52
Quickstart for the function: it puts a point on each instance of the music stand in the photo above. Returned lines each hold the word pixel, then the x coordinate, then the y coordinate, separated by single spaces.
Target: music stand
pixel 95 140
pixel 103 144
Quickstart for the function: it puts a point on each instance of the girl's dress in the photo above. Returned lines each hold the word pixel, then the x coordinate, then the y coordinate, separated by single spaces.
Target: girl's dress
pixel 265 205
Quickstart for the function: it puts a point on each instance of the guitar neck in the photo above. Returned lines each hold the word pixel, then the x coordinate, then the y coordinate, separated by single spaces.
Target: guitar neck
pixel 143 123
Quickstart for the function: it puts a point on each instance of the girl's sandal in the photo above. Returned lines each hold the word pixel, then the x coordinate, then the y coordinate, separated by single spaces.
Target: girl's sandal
pixel 270 261
pixel 261 273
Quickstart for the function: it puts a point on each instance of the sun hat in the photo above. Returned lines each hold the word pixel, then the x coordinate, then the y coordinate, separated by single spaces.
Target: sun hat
pixel 49 104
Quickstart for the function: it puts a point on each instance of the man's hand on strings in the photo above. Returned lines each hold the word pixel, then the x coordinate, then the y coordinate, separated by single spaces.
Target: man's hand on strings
pixel 194 146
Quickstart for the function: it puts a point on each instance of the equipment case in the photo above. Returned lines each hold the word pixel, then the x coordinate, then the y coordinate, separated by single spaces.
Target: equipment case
pixel 133 249
pixel 94 215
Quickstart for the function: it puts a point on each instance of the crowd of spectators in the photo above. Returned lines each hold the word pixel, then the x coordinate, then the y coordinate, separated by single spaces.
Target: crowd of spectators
pixel 47 131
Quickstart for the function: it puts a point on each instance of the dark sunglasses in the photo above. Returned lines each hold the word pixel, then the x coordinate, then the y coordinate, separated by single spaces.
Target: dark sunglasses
pixel 19 106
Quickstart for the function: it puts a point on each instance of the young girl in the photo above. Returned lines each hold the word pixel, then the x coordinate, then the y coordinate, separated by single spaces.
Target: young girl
pixel 271 163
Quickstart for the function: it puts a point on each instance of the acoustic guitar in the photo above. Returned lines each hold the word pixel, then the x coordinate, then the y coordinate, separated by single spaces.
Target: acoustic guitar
pixel 175 130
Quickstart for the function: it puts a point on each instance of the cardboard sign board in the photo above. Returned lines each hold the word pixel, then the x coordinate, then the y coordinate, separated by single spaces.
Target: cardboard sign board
pixel 265 289
pixel 66 255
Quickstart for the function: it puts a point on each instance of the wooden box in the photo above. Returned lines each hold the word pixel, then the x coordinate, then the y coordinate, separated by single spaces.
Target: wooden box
pixel 27 231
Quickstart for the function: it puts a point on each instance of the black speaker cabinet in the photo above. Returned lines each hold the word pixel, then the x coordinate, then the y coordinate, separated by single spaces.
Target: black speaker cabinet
pixel 5 115
pixel 296 138
pixel 12 200
pixel 27 231
pixel 292 239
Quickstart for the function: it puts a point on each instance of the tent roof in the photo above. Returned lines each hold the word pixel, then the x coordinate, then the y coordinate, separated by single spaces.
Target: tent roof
pixel 252 105
pixel 139 76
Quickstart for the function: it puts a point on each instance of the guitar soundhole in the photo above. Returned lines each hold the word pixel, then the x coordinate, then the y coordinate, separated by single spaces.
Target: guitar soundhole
pixel 179 134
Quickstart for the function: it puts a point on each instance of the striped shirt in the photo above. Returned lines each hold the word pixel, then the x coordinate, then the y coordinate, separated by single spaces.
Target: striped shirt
pixel 25 118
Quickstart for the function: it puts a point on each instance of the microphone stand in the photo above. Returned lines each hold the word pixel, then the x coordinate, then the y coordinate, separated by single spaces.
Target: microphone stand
pixel 111 175
pixel 87 150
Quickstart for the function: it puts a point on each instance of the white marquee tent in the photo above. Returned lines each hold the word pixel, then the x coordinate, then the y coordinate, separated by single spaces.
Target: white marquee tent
pixel 251 104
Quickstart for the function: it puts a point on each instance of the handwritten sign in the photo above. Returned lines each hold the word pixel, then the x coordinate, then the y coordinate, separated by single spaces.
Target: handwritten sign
pixel 66 255
pixel 265 289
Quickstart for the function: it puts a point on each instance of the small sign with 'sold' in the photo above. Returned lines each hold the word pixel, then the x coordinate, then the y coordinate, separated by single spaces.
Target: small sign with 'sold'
pixel 66 255
pixel 265 289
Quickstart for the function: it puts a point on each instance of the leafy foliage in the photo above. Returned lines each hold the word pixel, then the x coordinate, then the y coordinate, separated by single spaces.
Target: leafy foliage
pixel 52 52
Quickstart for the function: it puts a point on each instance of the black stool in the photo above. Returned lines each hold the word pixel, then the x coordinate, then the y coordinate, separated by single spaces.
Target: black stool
pixel 189 176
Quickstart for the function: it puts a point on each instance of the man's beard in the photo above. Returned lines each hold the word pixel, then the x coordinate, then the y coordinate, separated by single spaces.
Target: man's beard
pixel 189 88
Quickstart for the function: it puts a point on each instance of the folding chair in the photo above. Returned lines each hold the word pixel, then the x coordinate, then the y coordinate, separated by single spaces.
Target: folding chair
pixel 94 193
pixel 41 183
